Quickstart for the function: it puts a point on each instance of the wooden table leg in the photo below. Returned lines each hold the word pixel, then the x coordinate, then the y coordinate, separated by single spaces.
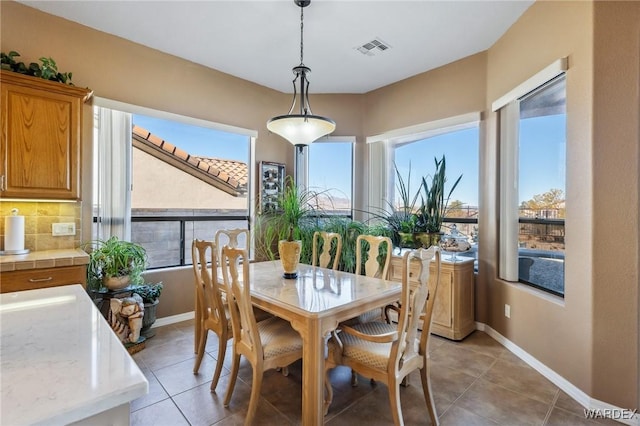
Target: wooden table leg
pixel 312 332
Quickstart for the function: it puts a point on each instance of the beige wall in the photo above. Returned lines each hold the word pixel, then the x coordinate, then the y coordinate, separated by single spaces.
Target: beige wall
pixel 591 337
pixel 451 90
pixel 558 332
pixel 155 184
pixel 616 157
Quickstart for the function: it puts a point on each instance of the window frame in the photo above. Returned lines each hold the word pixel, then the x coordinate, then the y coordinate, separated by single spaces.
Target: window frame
pixel 164 115
pixel 301 163
pixel 508 109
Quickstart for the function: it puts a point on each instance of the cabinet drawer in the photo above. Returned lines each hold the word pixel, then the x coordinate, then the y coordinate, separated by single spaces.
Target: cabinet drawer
pixel 40 278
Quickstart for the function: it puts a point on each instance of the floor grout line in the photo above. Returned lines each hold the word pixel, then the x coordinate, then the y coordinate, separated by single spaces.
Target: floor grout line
pixel 551 406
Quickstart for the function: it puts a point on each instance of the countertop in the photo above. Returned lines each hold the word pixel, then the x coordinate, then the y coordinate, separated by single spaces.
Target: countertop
pixel 43 259
pixel 60 361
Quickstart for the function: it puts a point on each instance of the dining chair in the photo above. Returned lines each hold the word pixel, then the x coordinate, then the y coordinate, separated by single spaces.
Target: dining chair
pixel 213 315
pixel 267 344
pixel 236 238
pixel 369 249
pixel 323 259
pixel 389 352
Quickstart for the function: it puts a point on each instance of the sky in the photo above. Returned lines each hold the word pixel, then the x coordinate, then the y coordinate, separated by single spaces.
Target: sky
pixel 198 141
pixel 460 149
pixel 542 148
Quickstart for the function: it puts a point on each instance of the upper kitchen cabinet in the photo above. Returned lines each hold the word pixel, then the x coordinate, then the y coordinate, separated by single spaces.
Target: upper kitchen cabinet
pixel 41 138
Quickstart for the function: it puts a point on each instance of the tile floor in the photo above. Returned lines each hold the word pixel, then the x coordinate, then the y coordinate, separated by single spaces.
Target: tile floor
pixel 475 382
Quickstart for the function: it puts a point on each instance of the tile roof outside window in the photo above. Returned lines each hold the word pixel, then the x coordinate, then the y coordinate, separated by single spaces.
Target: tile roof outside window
pixel 231 174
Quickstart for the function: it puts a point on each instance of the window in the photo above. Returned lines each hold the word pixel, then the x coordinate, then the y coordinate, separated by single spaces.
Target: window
pixel 331 175
pixel 533 159
pixel 179 179
pixel 460 149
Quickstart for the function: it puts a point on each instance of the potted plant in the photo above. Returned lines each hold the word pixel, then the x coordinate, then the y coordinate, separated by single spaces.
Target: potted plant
pixel 115 264
pixel 294 204
pixel 150 294
pixel 282 227
pixel 401 219
pixel 433 206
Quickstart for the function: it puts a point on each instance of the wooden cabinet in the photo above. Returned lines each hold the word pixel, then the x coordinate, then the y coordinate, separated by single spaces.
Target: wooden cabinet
pixel 40 145
pixel 453 313
pixel 30 279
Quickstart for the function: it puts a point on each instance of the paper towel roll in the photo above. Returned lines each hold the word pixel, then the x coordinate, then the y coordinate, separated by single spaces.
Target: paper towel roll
pixel 14 233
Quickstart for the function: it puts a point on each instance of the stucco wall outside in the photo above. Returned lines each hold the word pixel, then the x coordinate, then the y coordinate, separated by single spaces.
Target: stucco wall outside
pixel 156 183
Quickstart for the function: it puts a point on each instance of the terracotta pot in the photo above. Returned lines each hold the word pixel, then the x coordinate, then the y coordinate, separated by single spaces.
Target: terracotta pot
pixel 290 257
pixel 116 283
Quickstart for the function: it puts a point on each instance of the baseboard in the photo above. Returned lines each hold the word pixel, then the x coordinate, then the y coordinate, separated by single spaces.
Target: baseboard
pixel 570 389
pixel 173 319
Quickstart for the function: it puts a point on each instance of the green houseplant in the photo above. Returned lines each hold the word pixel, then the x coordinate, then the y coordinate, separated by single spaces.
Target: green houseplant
pixel 150 294
pixel 284 226
pixel 48 70
pixel 115 263
pixel 401 219
pixel 434 203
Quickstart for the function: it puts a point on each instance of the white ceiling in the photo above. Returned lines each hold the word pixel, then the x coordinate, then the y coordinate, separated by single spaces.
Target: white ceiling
pixel 260 40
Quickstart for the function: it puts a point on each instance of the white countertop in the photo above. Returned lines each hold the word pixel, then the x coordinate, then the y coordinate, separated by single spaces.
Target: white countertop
pixel 59 360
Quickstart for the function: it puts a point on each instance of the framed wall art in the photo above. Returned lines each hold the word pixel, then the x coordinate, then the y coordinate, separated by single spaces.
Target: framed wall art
pixel 271 185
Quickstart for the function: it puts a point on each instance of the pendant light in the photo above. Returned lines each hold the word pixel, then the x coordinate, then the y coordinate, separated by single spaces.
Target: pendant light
pixel 303 128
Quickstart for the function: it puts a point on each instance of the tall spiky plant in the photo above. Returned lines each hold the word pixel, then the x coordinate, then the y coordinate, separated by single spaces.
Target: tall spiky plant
pixel 433 208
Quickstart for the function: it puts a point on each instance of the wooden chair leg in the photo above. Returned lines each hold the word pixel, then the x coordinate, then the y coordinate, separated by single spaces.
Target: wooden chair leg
pixel 202 342
pixel 428 395
pixel 222 350
pixel 354 378
pixel 255 395
pixel 394 400
pixel 232 380
pixel 329 392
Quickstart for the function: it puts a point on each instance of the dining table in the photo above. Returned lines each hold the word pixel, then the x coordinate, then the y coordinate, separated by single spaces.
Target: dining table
pixel 314 303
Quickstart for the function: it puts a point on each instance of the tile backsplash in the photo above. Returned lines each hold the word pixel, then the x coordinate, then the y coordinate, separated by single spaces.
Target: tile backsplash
pixel 38 217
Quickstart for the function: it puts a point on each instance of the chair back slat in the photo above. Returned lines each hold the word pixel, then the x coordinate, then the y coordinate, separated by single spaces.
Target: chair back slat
pixel 325 241
pixel 204 256
pixel 415 293
pixel 235 271
pixel 372 266
pixel 430 303
pixel 234 238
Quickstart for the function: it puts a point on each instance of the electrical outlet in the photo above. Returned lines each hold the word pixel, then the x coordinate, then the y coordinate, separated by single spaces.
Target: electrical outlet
pixel 61 229
pixel 507 310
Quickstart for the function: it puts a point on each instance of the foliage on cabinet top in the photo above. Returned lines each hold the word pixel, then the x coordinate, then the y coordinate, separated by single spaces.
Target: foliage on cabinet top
pixel 48 70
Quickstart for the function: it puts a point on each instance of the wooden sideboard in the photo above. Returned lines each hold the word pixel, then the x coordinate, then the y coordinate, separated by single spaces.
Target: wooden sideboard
pixel 454 310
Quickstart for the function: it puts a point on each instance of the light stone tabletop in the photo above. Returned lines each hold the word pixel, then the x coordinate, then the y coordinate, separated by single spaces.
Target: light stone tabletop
pixel 60 362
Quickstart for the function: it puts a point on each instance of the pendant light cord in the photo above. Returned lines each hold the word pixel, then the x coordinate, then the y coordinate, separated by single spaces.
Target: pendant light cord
pixel 301 35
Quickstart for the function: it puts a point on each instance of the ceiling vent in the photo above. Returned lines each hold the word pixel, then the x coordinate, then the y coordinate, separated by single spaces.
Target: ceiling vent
pixel 373 47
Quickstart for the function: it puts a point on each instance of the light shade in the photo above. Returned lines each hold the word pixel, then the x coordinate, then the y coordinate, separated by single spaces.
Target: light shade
pixel 301 130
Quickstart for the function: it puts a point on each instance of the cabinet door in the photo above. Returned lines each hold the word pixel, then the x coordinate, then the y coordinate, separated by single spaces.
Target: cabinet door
pixel 41 127
pixel 442 309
